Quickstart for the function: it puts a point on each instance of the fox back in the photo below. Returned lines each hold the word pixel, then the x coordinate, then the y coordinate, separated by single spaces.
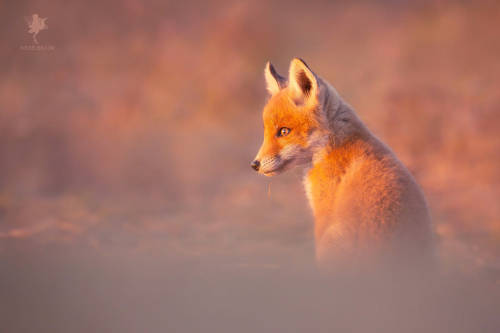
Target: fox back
pixel 365 202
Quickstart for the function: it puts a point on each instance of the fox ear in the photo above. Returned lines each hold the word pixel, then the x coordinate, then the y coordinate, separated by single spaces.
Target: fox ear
pixel 303 82
pixel 274 81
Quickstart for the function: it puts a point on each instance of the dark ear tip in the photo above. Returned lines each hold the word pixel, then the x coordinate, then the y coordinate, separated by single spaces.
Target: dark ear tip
pixel 271 68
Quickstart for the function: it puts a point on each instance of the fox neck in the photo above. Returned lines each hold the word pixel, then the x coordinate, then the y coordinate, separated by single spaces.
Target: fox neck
pixel 347 140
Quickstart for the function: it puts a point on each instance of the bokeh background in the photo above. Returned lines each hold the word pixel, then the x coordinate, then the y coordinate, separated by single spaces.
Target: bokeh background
pixel 126 197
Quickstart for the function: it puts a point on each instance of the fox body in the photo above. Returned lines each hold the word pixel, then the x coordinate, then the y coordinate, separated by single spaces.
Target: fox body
pixel 365 202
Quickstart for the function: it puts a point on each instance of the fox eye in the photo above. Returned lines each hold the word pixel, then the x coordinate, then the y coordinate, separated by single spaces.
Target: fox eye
pixel 283 131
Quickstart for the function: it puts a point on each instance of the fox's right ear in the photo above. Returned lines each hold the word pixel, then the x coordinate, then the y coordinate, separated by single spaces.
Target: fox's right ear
pixel 303 82
pixel 274 81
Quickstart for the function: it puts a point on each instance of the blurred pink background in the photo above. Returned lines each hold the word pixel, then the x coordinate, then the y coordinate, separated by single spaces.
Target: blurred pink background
pixel 133 137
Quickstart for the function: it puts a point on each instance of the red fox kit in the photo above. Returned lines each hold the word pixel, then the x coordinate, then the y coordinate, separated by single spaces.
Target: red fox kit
pixel 363 198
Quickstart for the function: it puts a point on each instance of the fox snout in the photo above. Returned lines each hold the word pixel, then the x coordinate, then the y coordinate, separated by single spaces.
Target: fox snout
pixel 269 165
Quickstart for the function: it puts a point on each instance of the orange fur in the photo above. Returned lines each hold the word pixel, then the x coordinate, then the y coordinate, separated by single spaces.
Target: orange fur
pixel 365 202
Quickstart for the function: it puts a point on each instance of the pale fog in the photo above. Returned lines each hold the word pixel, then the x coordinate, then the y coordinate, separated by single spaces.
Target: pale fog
pixel 82 290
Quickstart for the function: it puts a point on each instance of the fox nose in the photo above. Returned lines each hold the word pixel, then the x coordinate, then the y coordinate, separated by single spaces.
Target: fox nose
pixel 255 165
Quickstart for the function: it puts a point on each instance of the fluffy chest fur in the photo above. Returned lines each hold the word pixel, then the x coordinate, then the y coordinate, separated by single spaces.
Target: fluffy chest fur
pixel 336 188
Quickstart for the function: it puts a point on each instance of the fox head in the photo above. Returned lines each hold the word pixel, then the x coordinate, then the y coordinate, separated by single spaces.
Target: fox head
pixel 293 119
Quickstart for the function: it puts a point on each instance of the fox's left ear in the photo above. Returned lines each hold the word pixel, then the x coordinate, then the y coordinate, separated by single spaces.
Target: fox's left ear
pixel 303 82
pixel 274 81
